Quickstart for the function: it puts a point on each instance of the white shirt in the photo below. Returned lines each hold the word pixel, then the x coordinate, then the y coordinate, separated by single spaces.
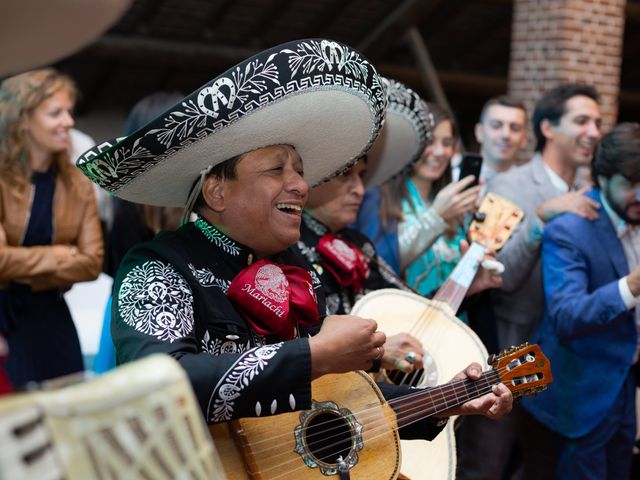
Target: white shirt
pixel 629 236
pixel 556 180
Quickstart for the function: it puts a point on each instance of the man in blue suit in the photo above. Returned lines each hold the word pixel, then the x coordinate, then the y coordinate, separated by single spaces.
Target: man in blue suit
pixel 566 122
pixel 591 276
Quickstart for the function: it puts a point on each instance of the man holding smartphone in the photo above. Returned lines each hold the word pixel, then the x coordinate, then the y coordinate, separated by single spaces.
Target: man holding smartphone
pixel 501 132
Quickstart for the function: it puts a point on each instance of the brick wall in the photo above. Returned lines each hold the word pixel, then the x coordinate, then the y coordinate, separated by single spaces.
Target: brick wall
pixel 555 41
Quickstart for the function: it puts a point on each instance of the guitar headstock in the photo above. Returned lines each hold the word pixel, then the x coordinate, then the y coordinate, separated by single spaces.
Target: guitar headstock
pixel 494 222
pixel 525 370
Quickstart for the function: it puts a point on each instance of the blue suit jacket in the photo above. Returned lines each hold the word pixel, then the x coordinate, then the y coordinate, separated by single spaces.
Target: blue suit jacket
pixel 587 332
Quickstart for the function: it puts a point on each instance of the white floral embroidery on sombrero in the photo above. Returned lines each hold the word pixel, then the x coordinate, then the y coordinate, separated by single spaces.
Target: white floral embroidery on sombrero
pixel 272 283
pixel 285 95
pixel 155 300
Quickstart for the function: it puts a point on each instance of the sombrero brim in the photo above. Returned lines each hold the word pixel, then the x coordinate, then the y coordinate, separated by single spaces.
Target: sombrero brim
pixel 319 96
pixel 41 32
pixel 407 131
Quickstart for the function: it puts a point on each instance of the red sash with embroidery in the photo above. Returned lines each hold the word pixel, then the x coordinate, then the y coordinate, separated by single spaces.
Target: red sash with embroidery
pixel 274 298
pixel 345 262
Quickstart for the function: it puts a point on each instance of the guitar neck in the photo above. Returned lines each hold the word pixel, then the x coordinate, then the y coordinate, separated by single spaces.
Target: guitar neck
pixel 428 402
pixel 454 289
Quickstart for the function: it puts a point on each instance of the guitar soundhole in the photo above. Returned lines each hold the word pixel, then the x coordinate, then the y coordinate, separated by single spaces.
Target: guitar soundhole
pixel 328 437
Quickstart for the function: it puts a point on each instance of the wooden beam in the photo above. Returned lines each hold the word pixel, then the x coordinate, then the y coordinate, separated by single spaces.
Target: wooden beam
pixel 438 20
pixel 320 24
pixel 476 84
pixel 213 16
pixel 268 16
pixel 427 71
pixel 454 82
pixel 393 27
pixel 169 52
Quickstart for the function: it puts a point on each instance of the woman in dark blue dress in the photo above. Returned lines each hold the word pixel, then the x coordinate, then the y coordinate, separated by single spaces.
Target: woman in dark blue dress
pixel 50 233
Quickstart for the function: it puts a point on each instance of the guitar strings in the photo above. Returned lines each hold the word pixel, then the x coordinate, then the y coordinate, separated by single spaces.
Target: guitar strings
pixel 412 407
pixel 423 323
pixel 383 425
pixel 495 208
pixel 384 430
pixel 426 322
pixel 427 316
pixel 420 326
pixel 422 392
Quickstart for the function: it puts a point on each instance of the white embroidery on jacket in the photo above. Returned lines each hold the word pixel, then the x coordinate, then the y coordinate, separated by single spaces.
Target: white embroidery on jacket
pixel 156 300
pixel 236 379
pixel 206 278
pixel 217 347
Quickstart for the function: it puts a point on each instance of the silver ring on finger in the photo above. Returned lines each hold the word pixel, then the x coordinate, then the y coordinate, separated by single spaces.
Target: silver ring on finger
pixel 399 366
pixel 380 353
pixel 411 357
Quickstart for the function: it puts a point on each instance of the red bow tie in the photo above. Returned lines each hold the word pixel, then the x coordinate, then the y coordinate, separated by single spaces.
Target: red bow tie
pixel 345 262
pixel 274 298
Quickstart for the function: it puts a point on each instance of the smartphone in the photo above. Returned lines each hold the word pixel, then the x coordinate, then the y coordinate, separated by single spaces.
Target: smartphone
pixel 470 164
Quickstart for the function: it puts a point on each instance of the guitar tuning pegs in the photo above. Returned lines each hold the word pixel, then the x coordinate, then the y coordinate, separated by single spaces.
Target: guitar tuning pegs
pixel 519 347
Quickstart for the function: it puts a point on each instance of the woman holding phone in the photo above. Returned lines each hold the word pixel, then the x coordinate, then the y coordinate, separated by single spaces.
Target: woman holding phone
pixel 421 213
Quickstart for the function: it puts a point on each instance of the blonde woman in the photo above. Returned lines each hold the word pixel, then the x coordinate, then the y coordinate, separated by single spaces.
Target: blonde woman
pixel 50 233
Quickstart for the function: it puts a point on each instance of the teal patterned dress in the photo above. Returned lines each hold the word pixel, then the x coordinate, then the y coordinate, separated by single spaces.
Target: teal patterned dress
pixel 430 270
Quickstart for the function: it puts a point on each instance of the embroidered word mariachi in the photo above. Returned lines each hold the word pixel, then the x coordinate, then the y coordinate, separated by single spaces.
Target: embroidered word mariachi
pixel 274 298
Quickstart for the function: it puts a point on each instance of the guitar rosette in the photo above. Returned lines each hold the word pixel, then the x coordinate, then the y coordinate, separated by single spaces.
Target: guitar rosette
pixel 328 438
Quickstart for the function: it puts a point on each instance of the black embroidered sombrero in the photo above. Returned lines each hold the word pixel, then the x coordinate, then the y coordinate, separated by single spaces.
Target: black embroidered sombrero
pixel 322 97
pixel 408 129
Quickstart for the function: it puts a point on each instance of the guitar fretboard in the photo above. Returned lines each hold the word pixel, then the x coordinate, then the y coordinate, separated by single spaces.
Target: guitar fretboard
pixel 428 402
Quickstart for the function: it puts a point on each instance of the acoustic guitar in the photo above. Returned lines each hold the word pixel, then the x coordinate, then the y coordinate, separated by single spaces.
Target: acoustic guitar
pixel 449 344
pixel 351 431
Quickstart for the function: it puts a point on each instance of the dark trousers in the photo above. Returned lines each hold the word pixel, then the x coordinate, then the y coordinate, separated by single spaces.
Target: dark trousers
pixel 487 449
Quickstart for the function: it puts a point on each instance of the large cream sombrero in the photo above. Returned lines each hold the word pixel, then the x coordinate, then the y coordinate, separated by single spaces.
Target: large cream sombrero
pixel 407 131
pixel 320 96
pixel 34 33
